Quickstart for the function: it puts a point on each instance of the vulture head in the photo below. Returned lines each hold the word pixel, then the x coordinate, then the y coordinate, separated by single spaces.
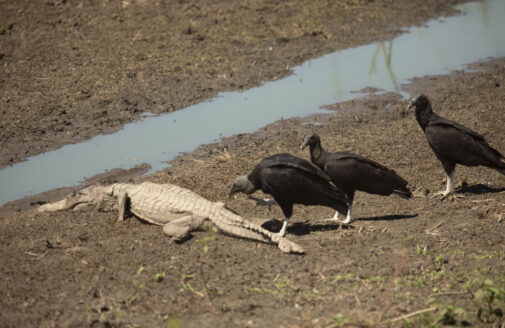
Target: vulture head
pixel 422 107
pixel 310 139
pixel 242 184
pixel 420 103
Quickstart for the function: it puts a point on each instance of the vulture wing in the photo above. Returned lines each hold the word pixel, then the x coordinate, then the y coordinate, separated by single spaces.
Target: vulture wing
pixel 354 172
pixel 288 161
pixel 437 120
pixel 360 159
pixel 291 186
pixel 454 142
pixel 291 180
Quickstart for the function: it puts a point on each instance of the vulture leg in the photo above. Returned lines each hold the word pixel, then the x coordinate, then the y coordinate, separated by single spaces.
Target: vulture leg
pixel 282 232
pixel 448 188
pixel 334 218
pixel 449 167
pixel 348 219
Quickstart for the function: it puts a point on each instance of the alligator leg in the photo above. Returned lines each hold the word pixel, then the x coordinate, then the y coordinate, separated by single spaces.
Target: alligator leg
pixel 101 202
pixel 121 205
pixel 180 228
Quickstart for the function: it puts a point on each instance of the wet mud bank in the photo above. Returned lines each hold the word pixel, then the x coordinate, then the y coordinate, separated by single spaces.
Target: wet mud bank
pixel 473 35
pixel 414 262
pixel 74 70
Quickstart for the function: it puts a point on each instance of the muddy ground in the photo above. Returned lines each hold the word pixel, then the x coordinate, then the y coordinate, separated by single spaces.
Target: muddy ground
pixel 70 70
pixel 420 262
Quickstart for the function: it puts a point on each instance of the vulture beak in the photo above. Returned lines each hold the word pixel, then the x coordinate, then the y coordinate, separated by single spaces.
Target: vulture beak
pixel 304 144
pixel 410 106
pixel 232 191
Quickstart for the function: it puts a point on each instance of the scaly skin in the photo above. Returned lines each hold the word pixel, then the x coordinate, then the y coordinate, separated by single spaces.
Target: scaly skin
pixel 177 209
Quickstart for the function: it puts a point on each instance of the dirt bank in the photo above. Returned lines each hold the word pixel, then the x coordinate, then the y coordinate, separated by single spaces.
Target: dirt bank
pixel 418 262
pixel 70 70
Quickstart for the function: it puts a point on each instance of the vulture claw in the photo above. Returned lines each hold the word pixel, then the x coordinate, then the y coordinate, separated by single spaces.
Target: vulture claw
pixel 440 193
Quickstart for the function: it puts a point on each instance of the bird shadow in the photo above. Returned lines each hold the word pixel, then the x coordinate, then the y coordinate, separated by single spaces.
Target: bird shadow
pixel 478 189
pixel 303 228
pixel 389 217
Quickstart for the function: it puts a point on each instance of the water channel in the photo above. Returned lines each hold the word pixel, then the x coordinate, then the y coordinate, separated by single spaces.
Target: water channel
pixel 438 47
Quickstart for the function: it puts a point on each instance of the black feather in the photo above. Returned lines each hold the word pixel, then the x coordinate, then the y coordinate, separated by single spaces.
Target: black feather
pixel 454 143
pixel 352 172
pixel 291 180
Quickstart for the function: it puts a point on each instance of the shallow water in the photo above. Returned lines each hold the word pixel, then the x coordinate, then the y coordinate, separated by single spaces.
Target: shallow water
pixel 440 46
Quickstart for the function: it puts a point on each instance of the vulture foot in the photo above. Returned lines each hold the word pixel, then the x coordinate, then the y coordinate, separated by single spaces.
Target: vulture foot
pixel 454 197
pixel 449 196
pixel 347 220
pixel 337 220
pixel 441 193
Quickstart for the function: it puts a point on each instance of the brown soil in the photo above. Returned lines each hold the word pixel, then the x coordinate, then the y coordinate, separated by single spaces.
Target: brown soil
pixel 74 269
pixel 70 70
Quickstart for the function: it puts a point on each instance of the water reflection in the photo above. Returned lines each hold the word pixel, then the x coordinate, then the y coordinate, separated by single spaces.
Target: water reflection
pixel 338 84
pixel 387 54
pixel 487 21
pixel 484 10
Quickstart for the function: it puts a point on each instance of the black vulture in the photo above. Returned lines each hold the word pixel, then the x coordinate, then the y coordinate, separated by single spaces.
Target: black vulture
pixel 351 172
pixel 454 143
pixel 291 180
